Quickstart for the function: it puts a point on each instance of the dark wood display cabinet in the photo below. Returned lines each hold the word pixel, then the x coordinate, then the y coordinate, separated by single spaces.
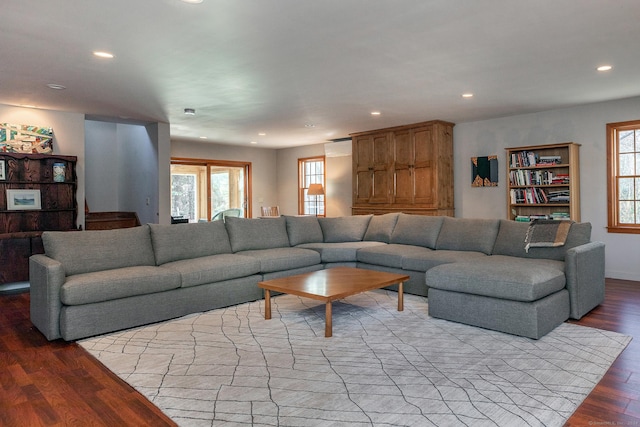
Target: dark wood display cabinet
pixel 33 198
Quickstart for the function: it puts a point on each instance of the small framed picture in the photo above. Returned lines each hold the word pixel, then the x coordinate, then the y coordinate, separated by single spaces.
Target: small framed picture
pixel 23 199
pixel 3 174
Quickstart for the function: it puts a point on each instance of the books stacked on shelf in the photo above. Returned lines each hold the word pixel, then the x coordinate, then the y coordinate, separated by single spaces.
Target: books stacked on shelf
pixel 559 196
pixel 561 216
pixel 549 160
pixel 524 159
pixel 528 196
pixel 560 179
pixel 536 177
pixel 527 218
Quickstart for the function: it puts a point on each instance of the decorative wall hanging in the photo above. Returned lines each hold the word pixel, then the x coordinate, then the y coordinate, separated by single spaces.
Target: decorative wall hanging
pixel 3 174
pixel 23 199
pixel 59 171
pixel 484 171
pixel 25 139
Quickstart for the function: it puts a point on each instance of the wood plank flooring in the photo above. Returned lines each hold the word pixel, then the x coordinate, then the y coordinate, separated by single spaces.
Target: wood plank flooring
pixel 59 384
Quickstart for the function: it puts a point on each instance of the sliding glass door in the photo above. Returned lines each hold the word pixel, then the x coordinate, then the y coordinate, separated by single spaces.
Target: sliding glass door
pixel 202 190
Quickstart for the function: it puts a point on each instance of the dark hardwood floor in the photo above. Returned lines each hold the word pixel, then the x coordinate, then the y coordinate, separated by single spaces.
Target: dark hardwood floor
pixel 59 384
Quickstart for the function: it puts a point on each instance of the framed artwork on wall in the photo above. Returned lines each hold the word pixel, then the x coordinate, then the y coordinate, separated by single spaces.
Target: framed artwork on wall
pixel 484 171
pixel 3 174
pixel 23 199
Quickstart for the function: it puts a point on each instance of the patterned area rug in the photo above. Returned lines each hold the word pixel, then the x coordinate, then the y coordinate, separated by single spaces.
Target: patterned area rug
pixel 381 367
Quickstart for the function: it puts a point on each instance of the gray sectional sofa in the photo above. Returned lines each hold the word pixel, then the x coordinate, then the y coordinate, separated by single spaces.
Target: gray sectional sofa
pixel 475 271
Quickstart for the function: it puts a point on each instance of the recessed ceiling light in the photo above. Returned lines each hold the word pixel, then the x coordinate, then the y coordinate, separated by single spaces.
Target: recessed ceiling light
pixel 604 68
pixel 467 95
pixel 190 111
pixel 102 54
pixel 56 86
pixel 262 134
pixel 203 137
pixel 254 142
pixel 375 113
pixel 193 1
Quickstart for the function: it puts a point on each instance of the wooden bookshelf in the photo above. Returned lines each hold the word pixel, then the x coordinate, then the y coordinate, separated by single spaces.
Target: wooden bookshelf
pixel 543 181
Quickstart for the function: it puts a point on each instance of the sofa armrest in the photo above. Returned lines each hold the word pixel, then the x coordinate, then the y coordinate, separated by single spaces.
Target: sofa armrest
pixel 46 277
pixel 584 268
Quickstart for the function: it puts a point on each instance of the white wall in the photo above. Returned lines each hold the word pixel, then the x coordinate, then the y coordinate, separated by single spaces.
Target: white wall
pixel 102 166
pixel 138 177
pixel 68 130
pixel 585 125
pixel 263 166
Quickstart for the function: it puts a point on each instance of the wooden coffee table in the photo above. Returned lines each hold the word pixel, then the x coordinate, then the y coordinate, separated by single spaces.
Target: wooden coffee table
pixel 330 285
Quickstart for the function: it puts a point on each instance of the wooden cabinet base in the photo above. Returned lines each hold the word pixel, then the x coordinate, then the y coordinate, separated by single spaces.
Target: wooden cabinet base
pixel 413 211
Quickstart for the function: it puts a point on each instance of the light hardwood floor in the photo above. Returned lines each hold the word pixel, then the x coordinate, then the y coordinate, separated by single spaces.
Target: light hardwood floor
pixel 59 384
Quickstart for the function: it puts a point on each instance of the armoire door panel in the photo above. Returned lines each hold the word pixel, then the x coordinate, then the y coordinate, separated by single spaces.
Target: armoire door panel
pixel 424 170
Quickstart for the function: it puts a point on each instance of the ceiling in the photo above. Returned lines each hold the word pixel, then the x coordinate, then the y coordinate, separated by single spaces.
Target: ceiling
pixel 306 72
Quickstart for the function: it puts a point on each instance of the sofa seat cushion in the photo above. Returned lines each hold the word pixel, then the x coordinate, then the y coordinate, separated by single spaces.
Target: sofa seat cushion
pixel 427 259
pixel 214 268
pixel 105 285
pixel 339 252
pixel 502 277
pixel 389 255
pixel 278 259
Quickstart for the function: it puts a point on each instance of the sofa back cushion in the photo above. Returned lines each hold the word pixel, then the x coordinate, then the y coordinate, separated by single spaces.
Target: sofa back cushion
pixel 381 227
pixel 417 230
pixel 185 241
pixel 247 234
pixel 511 241
pixel 344 228
pixel 303 229
pixel 98 250
pixel 468 234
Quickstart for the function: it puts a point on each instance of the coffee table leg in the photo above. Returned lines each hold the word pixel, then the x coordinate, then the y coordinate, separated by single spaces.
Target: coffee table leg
pixel 400 297
pixel 267 304
pixel 328 325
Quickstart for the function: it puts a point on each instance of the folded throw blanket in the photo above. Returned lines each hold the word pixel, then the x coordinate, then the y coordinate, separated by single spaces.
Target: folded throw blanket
pixel 546 233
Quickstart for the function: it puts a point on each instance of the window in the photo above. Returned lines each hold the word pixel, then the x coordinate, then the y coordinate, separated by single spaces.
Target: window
pixel 206 189
pixel 311 171
pixel 623 175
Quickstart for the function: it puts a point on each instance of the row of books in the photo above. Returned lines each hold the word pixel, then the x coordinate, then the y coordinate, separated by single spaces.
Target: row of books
pixel 525 159
pixel 559 216
pixel 537 177
pixel 559 196
pixel 537 195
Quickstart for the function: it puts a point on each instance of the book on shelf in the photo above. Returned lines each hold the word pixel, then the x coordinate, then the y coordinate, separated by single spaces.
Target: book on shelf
pixel 536 177
pixel 524 159
pixel 528 196
pixel 549 160
pixel 559 216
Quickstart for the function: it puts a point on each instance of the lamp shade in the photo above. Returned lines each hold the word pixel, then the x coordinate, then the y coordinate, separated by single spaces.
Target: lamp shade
pixel 315 190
